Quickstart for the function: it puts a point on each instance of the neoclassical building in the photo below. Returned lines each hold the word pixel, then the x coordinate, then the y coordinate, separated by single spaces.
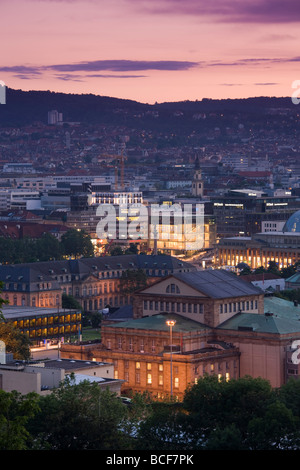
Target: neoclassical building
pixel 282 247
pixel 93 282
pixel 188 325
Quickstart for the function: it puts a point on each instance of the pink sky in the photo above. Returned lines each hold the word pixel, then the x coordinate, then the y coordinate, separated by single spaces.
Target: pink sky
pixel 156 50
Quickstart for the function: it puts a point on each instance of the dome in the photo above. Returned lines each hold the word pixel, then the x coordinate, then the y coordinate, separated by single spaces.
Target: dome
pixel 293 223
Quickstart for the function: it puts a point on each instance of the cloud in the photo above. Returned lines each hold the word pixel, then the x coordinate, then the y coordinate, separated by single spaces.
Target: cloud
pixel 123 65
pixel 21 69
pixel 235 11
pixel 266 84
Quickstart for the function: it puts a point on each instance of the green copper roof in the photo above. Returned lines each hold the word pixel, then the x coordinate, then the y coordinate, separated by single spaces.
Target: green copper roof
pixel 158 322
pixel 261 323
pixel 294 278
pixel 282 308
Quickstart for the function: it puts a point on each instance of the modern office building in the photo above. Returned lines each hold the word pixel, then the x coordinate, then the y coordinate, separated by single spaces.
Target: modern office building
pixel 241 212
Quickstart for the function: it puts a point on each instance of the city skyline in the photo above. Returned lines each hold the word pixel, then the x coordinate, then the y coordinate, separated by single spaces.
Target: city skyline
pixel 152 51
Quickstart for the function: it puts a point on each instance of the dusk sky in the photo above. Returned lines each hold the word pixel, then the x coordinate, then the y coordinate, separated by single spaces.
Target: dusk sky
pixel 155 50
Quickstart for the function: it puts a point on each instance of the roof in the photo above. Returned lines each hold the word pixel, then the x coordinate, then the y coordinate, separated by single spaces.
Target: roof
pixel 282 308
pixel 83 267
pixel 218 283
pixel 260 277
pixel 158 322
pixel 11 312
pixel 294 278
pixel 261 323
pixel 28 274
pixel 72 364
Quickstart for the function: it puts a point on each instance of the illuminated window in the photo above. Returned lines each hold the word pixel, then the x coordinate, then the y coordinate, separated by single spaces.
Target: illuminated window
pixel 227 376
pixel 149 366
pixel 137 365
pixel 149 379
pixel 176 382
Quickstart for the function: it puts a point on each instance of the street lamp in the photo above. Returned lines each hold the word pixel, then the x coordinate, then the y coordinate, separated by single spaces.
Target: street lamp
pixel 170 324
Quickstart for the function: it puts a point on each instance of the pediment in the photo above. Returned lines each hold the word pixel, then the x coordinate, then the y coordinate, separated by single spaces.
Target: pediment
pixel 172 287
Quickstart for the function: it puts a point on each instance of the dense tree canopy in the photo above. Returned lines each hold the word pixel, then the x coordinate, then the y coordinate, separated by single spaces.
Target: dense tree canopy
pixel 242 414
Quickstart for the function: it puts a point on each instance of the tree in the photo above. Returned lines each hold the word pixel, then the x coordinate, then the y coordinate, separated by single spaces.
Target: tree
pixel 116 251
pixel 80 417
pixel 15 412
pixel 77 243
pixel 16 342
pixel 218 408
pixel 69 302
pixel 132 280
pixel 277 429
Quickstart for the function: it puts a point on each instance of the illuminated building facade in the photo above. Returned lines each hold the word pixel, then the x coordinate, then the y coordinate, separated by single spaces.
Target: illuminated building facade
pixel 241 212
pixel 281 247
pixel 41 324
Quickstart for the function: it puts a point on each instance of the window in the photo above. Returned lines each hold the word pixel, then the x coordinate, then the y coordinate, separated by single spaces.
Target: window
pixel 160 379
pixel 172 289
pixel 137 365
pixel 149 379
pixel 149 365
pixel 176 382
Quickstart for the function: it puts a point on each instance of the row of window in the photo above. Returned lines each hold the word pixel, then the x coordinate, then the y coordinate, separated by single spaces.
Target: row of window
pixel 234 307
pixel 49 320
pixel 179 307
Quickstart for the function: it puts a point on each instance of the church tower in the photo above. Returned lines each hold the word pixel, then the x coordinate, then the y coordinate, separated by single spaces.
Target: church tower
pixel 197 183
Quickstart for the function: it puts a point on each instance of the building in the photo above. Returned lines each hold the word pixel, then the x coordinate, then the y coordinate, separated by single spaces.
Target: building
pixel 42 324
pixel 24 285
pixel 232 340
pixel 54 117
pixel 93 282
pixel 43 377
pixel 197 183
pixel 241 212
pixel 141 352
pixel 198 302
pixel 281 247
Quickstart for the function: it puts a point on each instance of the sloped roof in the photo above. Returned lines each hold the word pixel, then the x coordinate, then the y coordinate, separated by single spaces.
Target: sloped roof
pixel 218 283
pixel 282 308
pixel 261 323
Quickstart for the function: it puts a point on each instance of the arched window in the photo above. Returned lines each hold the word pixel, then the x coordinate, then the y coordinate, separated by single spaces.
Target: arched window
pixel 172 289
